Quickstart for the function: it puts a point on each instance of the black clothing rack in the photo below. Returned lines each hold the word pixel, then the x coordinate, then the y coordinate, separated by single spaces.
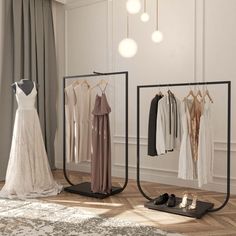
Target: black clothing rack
pixel 85 187
pixel 202 207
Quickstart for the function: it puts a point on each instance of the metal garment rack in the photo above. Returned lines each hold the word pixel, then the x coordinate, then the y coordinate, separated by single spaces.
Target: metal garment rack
pixel 85 187
pixel 202 207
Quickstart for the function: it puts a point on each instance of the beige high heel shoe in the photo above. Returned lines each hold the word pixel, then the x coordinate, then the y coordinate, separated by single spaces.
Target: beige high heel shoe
pixel 184 202
pixel 193 205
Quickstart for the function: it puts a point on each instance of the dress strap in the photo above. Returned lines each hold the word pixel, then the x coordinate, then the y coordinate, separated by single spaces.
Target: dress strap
pixel 102 90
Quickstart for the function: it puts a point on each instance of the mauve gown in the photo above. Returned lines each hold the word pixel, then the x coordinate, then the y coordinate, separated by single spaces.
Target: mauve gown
pixel 101 147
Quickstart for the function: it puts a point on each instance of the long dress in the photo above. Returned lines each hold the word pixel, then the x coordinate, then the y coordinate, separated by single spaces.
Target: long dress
pixel 205 146
pixel 101 147
pixel 185 170
pixel 70 101
pixel 82 123
pixel 28 172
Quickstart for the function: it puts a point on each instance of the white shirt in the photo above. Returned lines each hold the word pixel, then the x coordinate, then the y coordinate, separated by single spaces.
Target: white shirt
pixel 168 133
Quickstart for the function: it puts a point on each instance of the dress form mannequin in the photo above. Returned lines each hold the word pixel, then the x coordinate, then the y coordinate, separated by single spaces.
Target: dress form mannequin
pixel 28 172
pixel 25 84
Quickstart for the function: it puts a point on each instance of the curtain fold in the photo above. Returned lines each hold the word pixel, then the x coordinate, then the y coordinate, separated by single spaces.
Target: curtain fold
pixel 29 52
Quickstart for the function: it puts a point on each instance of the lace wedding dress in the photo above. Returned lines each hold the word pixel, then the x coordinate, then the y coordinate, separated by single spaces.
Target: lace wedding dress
pixel 28 172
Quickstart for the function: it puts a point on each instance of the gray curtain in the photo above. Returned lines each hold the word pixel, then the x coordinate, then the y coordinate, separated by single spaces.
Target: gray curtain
pixel 29 52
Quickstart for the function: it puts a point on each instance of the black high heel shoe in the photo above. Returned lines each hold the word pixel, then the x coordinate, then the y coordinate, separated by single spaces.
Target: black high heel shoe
pixel 162 199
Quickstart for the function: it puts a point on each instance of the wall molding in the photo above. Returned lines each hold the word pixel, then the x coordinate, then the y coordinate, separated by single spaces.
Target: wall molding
pixel 219 145
pixel 169 172
pixel 73 4
pixel 218 186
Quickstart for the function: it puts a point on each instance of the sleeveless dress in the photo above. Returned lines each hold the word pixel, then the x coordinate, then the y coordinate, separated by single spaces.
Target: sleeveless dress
pixel 28 172
pixel 101 147
pixel 206 146
pixel 186 168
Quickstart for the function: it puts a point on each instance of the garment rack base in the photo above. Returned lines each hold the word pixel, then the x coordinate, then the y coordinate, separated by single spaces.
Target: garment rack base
pixel 85 190
pixel 199 212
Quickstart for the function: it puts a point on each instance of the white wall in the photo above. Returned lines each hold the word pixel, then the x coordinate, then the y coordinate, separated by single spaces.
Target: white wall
pixel 93 31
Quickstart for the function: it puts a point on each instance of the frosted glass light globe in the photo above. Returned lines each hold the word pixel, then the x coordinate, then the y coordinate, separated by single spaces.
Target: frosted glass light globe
pixel 133 6
pixel 157 36
pixel 145 17
pixel 128 47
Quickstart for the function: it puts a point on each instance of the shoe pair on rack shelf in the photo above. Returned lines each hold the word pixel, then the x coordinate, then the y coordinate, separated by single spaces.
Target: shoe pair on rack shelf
pixel 169 200
pixel 184 203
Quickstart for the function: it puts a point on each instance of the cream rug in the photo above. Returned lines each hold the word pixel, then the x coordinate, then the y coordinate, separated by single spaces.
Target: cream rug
pixel 38 218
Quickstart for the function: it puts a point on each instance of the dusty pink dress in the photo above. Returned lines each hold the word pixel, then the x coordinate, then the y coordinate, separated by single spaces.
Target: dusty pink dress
pixel 101 147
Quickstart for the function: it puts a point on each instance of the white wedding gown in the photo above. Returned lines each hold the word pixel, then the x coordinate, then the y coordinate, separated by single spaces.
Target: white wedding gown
pixel 28 172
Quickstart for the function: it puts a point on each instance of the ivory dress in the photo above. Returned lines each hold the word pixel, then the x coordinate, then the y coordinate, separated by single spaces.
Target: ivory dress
pixel 185 170
pixel 70 101
pixel 101 147
pixel 28 172
pixel 205 146
pixel 188 158
pixel 83 122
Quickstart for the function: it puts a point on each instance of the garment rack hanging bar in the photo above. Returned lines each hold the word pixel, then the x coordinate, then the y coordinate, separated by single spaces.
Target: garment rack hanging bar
pixel 204 206
pixel 96 74
pixel 85 187
pixel 183 84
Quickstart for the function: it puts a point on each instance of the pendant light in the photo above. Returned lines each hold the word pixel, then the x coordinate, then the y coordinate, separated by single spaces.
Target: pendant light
pixel 145 17
pixel 128 47
pixel 133 6
pixel 157 36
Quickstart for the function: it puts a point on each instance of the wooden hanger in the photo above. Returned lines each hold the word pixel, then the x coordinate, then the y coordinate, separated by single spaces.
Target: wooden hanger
pixel 76 82
pixel 199 93
pixel 85 82
pixel 191 93
pixel 208 95
pixel 159 92
pixel 102 81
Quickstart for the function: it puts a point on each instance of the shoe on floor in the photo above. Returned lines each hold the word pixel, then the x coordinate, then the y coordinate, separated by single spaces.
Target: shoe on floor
pixel 162 199
pixel 171 201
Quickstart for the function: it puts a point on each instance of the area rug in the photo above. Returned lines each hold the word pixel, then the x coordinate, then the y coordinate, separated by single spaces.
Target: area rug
pixel 38 218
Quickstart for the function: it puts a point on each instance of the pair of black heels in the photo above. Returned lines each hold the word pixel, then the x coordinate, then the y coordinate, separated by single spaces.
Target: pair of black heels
pixel 169 200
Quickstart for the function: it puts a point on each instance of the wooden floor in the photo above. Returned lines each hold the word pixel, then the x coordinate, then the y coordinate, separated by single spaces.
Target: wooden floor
pixel 128 205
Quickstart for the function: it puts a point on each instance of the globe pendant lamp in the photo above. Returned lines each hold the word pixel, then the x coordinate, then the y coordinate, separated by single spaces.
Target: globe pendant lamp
pixel 128 47
pixel 133 6
pixel 157 36
pixel 145 17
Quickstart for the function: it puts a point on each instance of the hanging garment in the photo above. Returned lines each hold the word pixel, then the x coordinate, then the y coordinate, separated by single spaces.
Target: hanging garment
pixel 82 122
pixel 185 170
pixel 205 146
pixel 195 114
pixel 69 122
pixel 101 146
pixel 28 172
pixel 152 150
pixel 168 134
